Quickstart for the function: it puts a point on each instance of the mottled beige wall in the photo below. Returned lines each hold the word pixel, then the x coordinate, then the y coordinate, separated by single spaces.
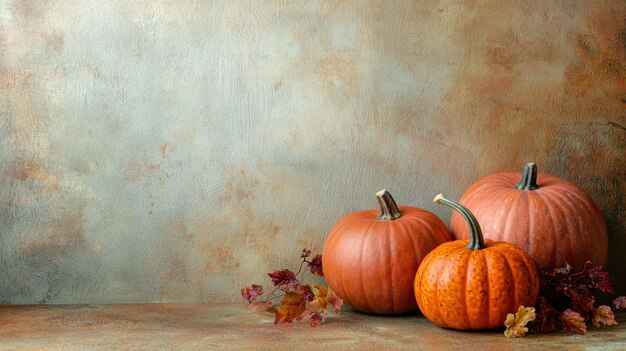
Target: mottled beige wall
pixel 177 150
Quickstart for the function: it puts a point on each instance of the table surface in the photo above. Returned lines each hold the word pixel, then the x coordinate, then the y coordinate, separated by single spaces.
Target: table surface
pixel 235 327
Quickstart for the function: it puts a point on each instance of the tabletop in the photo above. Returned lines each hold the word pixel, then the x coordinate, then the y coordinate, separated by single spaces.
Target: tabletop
pixel 235 327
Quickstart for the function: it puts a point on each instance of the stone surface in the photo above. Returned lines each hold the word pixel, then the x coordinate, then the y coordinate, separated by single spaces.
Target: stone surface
pixel 235 327
pixel 176 150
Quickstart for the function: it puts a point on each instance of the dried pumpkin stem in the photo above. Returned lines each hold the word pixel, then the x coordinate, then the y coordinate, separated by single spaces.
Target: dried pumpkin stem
pixel 476 235
pixel 388 207
pixel 529 177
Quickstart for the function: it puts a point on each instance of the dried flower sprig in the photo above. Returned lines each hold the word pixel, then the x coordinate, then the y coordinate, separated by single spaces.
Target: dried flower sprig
pixel 567 301
pixel 298 301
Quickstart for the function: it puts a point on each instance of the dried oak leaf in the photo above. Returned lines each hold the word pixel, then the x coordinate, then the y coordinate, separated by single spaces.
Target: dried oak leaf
pixel 260 305
pixel 603 315
pixel 292 307
pixel 284 279
pixel 619 302
pixel 315 266
pixel 516 323
pixel 573 322
pixel 250 293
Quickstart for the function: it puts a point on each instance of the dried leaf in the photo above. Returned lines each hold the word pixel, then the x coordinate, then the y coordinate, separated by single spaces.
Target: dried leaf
pixel 547 319
pixel 284 279
pixel 573 322
pixel 292 307
pixel 320 291
pixel 315 266
pixel 516 323
pixel 334 301
pixel 305 291
pixel 319 300
pixel 599 279
pixel 252 292
pixel 260 305
pixel 603 315
pixel 554 282
pixel 318 317
pixel 619 302
pixel 582 300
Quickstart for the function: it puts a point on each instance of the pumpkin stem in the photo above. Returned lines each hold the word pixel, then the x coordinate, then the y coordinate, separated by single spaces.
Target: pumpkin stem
pixel 388 208
pixel 476 235
pixel 529 177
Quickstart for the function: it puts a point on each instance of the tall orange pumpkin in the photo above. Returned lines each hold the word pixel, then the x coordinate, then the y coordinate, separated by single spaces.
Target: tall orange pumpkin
pixel 370 257
pixel 473 285
pixel 553 220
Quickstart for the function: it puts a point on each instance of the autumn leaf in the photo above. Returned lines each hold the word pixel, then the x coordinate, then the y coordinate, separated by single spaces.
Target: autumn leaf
pixel 334 301
pixel 318 317
pixel 292 307
pixel 305 291
pixel 315 266
pixel 582 300
pixel 260 305
pixel 573 322
pixel 516 323
pixel 619 302
pixel 320 291
pixel 547 319
pixel 600 279
pixel 603 315
pixel 284 279
pixel 252 292
pixel 319 301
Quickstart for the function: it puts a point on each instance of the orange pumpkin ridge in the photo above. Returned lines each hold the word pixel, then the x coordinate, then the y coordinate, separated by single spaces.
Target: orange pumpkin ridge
pixel 551 219
pixel 473 284
pixel 370 257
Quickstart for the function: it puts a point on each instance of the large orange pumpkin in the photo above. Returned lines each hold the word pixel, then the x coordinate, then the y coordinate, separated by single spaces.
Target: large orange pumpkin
pixel 553 220
pixel 370 257
pixel 473 285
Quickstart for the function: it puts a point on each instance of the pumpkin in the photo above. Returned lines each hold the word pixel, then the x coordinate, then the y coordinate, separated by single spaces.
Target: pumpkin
pixel 473 284
pixel 553 220
pixel 370 257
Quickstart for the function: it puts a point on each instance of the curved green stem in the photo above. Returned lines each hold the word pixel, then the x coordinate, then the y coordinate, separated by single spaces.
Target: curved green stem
pixel 476 235
pixel 529 177
pixel 388 208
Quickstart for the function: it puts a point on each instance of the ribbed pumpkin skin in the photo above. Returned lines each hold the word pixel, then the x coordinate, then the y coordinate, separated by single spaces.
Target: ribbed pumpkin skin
pixel 465 289
pixel 371 263
pixel 554 224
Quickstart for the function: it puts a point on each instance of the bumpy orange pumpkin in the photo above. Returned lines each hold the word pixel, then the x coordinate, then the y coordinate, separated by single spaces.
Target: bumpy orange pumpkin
pixel 473 285
pixel 370 257
pixel 553 220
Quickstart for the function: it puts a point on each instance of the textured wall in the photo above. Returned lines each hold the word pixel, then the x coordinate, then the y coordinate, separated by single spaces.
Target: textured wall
pixel 176 150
